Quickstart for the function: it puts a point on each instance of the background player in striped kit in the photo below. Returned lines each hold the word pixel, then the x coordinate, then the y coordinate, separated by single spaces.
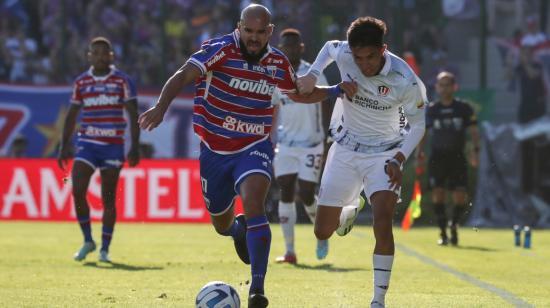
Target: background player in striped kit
pixel 447 121
pixel 370 150
pixel 300 148
pixel 102 93
pixel 235 76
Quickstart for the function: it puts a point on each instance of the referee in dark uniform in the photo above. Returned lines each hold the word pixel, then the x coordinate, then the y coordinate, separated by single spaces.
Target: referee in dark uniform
pixel 447 121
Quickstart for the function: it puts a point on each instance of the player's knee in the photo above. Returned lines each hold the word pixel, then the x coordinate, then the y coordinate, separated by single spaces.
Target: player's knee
pixel 220 229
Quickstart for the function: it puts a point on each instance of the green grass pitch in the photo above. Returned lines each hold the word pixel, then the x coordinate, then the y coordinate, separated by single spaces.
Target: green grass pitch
pixel 165 265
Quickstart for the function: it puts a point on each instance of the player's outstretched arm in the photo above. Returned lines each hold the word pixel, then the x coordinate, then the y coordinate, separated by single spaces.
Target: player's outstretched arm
pixel 133 153
pixel 184 76
pixel 320 93
pixel 68 129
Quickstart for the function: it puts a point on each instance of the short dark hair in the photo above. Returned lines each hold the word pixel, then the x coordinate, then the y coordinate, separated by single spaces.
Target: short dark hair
pixel 290 32
pixel 100 40
pixel 366 31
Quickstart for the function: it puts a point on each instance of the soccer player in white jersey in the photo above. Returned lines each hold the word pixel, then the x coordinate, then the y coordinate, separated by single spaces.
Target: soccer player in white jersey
pixel 300 147
pixel 381 94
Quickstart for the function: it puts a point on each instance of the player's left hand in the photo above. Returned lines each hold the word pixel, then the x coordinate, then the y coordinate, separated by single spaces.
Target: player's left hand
pixel 133 156
pixel 151 118
pixel 394 173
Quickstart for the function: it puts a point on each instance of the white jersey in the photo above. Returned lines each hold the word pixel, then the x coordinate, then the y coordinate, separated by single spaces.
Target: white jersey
pixel 299 124
pixel 378 113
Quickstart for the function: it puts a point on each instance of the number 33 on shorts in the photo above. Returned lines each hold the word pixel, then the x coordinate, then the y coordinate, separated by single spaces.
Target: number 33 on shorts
pixel 314 161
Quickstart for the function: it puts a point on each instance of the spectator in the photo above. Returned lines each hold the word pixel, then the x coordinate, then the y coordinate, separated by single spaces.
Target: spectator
pixel 533 36
pixel 532 89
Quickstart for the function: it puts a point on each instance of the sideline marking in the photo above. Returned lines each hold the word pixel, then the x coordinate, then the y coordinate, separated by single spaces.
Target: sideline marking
pixel 507 296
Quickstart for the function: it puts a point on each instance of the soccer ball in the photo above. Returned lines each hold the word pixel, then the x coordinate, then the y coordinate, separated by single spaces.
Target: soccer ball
pixel 218 294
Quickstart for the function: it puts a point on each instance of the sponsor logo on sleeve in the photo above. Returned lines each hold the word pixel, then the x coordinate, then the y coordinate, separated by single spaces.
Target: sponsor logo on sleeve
pixel 215 59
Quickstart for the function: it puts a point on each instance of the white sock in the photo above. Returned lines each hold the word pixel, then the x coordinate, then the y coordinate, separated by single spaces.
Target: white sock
pixel 311 210
pixel 381 267
pixel 287 218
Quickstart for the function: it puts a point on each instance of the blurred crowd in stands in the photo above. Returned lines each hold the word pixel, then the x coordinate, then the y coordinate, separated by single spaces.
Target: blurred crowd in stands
pixel 45 41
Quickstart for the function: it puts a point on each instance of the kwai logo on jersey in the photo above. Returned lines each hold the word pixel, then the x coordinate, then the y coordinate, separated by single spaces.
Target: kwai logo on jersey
pixel 233 124
pixel 383 90
pixel 258 87
pixel 100 132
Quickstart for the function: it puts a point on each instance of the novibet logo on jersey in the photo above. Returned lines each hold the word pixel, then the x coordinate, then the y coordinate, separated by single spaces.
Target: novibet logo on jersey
pixel 258 87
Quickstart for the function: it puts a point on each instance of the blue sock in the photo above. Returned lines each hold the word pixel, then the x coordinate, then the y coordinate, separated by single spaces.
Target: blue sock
pixel 106 235
pixel 236 230
pixel 86 227
pixel 258 238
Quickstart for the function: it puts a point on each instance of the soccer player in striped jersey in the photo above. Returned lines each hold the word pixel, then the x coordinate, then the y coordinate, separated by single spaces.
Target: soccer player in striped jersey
pixel 300 147
pixel 235 76
pixel 382 96
pixel 102 93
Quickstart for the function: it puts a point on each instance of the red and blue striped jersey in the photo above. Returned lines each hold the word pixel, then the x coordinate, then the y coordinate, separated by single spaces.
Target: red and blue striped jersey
pixel 232 106
pixel 102 99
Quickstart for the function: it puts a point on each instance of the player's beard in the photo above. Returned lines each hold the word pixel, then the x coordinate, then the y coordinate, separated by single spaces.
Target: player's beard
pixel 252 58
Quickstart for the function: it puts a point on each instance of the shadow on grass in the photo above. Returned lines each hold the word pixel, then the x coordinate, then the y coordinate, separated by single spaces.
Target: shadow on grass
pixel 328 267
pixel 478 248
pixel 121 266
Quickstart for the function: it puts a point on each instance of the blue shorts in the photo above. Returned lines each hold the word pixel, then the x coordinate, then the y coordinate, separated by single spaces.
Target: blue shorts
pixel 100 156
pixel 221 175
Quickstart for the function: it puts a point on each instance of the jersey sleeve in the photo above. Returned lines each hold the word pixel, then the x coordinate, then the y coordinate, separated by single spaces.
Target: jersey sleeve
pixel 326 56
pixel 76 96
pixel 414 107
pixel 130 91
pixel 288 83
pixel 470 117
pixel 210 57
pixel 322 80
pixel 415 100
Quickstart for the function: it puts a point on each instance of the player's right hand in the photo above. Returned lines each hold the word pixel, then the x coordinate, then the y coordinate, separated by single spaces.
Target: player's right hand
pixel 151 118
pixel 306 83
pixel 349 88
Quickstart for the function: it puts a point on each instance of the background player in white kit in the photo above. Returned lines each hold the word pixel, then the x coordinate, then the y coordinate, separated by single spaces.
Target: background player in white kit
pixel 371 148
pixel 300 148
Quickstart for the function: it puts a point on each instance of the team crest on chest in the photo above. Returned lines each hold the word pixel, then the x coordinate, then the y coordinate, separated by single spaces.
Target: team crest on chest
pixel 272 70
pixel 383 90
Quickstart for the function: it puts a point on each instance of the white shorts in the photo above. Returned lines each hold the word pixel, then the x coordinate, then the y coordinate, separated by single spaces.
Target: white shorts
pixel 306 162
pixel 347 172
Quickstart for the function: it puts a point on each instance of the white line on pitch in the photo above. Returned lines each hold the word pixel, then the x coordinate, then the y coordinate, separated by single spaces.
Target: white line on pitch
pixel 507 296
